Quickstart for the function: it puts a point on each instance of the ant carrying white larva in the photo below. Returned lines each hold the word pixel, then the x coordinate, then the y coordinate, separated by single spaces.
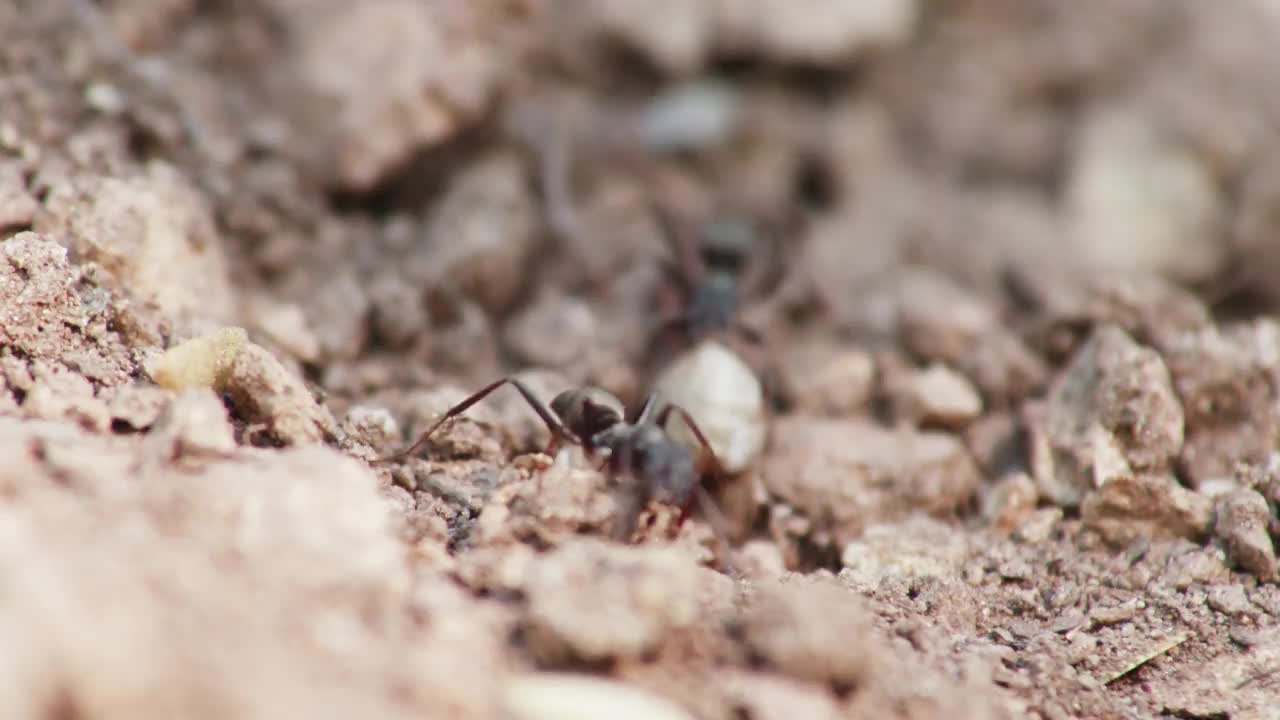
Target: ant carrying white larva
pixel 640 451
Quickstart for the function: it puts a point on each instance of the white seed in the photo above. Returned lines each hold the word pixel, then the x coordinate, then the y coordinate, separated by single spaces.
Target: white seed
pixel 725 398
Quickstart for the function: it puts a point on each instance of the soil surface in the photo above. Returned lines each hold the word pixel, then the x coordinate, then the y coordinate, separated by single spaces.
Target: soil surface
pixel 975 304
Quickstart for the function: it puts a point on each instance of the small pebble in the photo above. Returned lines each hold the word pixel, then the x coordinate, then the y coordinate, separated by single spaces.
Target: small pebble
pixel 1229 599
pixel 1114 614
pixel 1039 526
pixel 1241 525
pixel 1069 620
pixel 943 396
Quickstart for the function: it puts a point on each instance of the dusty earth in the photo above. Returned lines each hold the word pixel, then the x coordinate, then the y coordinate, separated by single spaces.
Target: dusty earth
pixel 1015 444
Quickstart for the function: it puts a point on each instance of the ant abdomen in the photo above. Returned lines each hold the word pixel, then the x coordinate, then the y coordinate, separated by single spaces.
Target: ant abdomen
pixel 671 468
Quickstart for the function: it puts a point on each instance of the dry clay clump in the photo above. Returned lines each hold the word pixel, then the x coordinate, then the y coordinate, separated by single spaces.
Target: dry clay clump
pixel 43 317
pixel 1229 382
pixel 1111 414
pixel 259 386
pixel 431 76
pixel 593 601
pixel 845 474
pixel 154 237
pixel 269 584
pixel 813 630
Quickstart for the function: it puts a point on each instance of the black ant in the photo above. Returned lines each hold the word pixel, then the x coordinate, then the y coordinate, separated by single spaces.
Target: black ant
pixel 661 468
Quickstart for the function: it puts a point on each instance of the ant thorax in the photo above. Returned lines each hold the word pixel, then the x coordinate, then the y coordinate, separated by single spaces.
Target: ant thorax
pixel 603 443
pixel 713 303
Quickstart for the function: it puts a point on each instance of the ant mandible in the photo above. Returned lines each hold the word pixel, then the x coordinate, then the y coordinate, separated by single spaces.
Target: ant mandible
pixel 661 468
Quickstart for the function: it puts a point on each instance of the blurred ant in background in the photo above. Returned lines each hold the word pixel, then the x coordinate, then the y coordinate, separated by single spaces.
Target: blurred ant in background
pixel 712 273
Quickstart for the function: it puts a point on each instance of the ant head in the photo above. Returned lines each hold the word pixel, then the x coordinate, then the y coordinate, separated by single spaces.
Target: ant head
pixel 712 305
pixel 587 411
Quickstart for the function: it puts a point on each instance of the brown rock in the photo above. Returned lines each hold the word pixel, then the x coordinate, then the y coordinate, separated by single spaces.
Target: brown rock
pixel 549 503
pixel 1038 526
pixel 1129 507
pixel 263 391
pixel 1242 522
pixel 1112 411
pixel 1229 381
pixel 1229 599
pixel 675 36
pixel 374 427
pixel 1256 225
pixel 286 327
pixel 338 310
pixel 679 38
pixel 1203 566
pixel 818 33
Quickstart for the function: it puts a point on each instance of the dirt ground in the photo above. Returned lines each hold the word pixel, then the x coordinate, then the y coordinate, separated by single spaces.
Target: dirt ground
pixel 998 403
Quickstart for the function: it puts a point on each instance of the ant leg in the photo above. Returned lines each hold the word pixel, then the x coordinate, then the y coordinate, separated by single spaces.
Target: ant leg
pixel 719 523
pixel 647 409
pixel 553 424
pixel 709 453
pixel 632 505
pixel 688 264
pixel 748 333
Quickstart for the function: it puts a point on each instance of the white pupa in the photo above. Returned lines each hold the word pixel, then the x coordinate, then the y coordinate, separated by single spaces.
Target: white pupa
pixel 725 398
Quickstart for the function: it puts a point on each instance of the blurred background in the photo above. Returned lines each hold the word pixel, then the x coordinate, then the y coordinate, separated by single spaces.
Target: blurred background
pixel 435 186
pixel 1010 264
